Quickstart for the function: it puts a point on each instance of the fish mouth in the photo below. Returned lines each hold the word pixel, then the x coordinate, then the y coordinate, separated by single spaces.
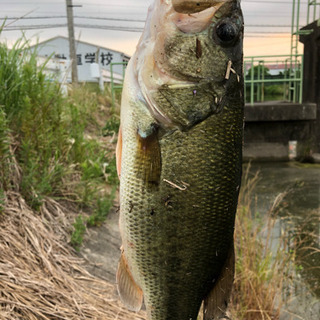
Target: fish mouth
pixel 195 6
pixel 193 16
pixel 186 16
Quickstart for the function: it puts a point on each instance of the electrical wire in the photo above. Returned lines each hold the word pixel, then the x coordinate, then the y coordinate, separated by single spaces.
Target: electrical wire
pixel 129 20
pixel 119 5
pixel 124 28
pixel 117 28
pixel 111 19
pixel 33 27
pixel 266 2
pixel 32 18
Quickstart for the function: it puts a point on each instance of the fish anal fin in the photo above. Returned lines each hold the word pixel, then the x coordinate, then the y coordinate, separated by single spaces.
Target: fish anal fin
pixel 130 293
pixel 216 302
pixel 149 157
pixel 119 152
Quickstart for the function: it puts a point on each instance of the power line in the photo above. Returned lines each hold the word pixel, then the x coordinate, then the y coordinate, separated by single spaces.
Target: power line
pixel 106 5
pixel 79 17
pixel 31 18
pixel 272 32
pixel 116 28
pixel 119 28
pixel 115 5
pixel 33 27
pixel 128 28
pixel 264 2
pixel 48 26
pixel 137 29
pixel 265 36
pixel 131 20
pixel 111 19
pixel 269 25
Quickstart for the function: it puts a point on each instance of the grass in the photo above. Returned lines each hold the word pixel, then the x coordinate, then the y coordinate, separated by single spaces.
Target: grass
pixel 79 226
pixel 56 142
pixel 56 149
pixel 112 126
pixel 261 264
pixel 41 278
pixel 57 176
pixel 268 263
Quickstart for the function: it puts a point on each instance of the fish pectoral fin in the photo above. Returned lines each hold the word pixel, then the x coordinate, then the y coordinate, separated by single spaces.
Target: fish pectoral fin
pixel 130 293
pixel 216 302
pixel 119 152
pixel 149 157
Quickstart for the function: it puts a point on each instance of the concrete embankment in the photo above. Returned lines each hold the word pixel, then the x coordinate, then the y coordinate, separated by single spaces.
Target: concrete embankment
pixel 280 131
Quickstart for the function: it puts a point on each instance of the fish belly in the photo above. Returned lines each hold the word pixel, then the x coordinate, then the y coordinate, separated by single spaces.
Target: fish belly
pixel 177 233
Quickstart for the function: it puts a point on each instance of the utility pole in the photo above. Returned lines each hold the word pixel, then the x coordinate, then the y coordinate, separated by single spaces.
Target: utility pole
pixel 72 46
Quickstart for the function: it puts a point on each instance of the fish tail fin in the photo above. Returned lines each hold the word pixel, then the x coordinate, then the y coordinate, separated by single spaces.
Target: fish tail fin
pixel 216 302
pixel 130 293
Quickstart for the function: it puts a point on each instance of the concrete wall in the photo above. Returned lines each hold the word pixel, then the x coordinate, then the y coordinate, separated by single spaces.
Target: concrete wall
pixel 311 70
pixel 311 67
pixel 270 126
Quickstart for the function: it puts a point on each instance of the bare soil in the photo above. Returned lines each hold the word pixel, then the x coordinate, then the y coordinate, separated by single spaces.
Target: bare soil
pixel 101 248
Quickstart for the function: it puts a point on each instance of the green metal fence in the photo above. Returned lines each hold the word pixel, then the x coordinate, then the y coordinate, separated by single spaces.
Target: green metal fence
pixel 313 11
pixel 276 77
pixel 117 82
pixel 261 84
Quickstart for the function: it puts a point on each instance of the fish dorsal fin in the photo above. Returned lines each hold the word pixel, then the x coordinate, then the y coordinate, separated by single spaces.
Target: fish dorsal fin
pixel 216 302
pixel 130 293
pixel 119 152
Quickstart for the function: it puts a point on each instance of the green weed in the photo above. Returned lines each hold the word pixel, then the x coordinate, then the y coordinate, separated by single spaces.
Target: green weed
pixel 103 207
pixel 112 126
pixel 2 200
pixel 263 265
pixel 4 151
pixel 78 232
pixel 111 171
pixel 56 138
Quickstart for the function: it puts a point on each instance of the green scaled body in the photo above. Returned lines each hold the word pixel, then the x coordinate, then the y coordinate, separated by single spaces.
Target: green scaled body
pixel 179 160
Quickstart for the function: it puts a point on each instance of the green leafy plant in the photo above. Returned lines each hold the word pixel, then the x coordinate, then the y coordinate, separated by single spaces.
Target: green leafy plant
pixel 78 232
pixel 103 207
pixel 5 153
pixel 112 126
pixel 111 171
pixel 262 265
pixel 58 148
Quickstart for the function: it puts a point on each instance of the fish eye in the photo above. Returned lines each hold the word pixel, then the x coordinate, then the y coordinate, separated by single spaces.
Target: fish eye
pixel 226 32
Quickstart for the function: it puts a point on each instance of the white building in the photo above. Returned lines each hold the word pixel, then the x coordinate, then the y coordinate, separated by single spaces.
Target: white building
pixel 92 60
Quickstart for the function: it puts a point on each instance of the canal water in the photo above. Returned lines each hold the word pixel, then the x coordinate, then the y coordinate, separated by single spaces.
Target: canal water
pixel 299 209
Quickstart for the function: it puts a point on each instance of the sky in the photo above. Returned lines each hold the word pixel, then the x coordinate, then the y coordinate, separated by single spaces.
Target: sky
pixel 267 23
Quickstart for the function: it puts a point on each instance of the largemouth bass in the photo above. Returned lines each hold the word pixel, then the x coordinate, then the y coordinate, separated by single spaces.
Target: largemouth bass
pixel 179 157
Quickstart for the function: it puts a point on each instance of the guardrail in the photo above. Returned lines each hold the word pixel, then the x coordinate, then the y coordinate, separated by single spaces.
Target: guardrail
pixel 278 77
pixel 116 81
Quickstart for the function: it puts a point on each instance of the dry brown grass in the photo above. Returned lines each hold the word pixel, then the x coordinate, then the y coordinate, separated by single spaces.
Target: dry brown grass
pixel 260 268
pixel 265 262
pixel 41 278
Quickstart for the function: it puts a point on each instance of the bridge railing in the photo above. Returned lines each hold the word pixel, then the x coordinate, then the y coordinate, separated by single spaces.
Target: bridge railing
pixel 277 77
pixel 117 79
